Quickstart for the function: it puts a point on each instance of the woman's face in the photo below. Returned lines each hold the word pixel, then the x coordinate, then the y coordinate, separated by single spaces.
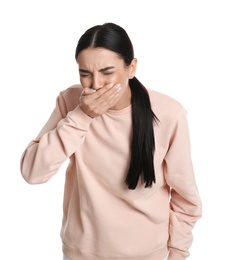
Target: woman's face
pixel 99 67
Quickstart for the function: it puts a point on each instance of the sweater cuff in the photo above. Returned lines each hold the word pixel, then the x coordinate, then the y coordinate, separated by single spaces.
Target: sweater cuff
pixel 175 256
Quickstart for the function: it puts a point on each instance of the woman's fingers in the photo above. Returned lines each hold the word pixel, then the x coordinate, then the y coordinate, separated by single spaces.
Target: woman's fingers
pixel 97 102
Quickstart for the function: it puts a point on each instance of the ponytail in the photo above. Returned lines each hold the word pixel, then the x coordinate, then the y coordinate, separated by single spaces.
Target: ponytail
pixel 143 143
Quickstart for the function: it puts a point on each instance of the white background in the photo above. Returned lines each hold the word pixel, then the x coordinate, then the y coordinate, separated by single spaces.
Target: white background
pixel 184 49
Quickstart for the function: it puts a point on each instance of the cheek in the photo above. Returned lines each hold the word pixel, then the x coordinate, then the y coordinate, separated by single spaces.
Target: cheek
pixel 85 82
pixel 126 81
pixel 123 79
pixel 115 79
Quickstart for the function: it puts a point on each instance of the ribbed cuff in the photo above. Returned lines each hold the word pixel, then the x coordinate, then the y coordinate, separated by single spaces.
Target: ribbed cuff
pixel 175 256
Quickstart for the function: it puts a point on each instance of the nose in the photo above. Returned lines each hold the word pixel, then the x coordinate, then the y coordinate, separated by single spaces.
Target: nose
pixel 98 82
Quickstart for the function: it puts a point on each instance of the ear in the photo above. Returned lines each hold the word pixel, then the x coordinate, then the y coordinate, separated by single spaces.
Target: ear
pixel 132 68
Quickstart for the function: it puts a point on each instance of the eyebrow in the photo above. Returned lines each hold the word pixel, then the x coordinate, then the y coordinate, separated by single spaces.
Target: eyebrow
pixel 101 70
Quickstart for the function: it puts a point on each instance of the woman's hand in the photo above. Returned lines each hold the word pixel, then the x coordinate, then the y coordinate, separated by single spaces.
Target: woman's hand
pixel 96 102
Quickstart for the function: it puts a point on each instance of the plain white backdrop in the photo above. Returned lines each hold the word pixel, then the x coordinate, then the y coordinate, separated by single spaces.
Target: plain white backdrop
pixel 184 49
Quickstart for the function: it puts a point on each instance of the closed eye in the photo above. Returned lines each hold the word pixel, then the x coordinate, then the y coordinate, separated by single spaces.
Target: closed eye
pixel 107 73
pixel 84 75
pixel 107 70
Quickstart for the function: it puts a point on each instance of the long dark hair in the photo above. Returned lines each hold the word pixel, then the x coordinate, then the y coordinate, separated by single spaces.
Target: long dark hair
pixel 113 37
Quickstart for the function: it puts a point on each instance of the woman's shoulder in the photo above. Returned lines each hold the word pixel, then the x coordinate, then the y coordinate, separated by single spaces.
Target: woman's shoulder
pixel 165 105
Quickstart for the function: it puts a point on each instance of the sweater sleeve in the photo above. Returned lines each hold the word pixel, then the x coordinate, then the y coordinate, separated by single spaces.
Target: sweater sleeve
pixel 185 203
pixel 59 139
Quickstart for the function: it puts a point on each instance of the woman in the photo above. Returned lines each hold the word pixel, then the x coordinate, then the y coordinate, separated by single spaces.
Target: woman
pixel 130 190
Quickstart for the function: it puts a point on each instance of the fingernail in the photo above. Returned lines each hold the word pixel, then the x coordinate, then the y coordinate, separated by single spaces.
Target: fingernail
pixel 110 85
pixel 118 87
pixel 92 90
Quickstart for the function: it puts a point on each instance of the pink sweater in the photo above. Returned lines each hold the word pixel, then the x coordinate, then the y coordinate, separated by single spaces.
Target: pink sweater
pixel 102 218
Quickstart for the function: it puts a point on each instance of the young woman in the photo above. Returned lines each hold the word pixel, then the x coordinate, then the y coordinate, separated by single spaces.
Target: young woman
pixel 130 190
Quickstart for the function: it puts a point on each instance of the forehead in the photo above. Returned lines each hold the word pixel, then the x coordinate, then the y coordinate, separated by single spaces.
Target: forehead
pixel 98 58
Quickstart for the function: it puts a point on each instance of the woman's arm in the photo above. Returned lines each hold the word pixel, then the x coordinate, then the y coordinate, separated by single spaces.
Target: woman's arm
pixel 59 139
pixel 185 203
